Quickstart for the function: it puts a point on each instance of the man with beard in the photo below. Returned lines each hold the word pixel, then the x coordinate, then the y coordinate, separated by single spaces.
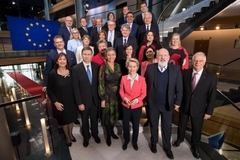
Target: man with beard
pixel 100 57
pixel 164 88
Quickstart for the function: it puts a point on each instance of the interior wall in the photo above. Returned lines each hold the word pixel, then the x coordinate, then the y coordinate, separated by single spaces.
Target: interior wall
pixel 221 46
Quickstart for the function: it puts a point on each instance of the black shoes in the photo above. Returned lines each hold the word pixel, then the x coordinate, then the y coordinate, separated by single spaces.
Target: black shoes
pixel 97 139
pixel 109 142
pixel 74 139
pixel 135 146
pixel 169 154
pixel 177 143
pixel 69 144
pixel 146 123
pixel 195 152
pixel 124 147
pixel 153 148
pixel 85 143
pixel 114 136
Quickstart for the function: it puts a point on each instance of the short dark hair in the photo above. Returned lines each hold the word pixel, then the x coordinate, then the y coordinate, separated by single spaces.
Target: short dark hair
pixel 109 15
pixel 130 13
pixel 87 49
pixel 56 66
pixel 144 2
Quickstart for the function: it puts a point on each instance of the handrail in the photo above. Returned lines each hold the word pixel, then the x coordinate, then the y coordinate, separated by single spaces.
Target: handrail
pixel 160 16
pixel 214 63
pixel 20 100
pixel 231 102
pixel 231 62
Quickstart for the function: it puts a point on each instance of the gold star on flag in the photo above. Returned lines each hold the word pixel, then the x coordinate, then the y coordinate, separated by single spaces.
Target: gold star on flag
pixel 34 44
pixel 40 45
pixel 27 34
pixel 43 25
pixel 49 35
pixel 47 30
pixel 37 23
pixel 48 40
pixel 29 40
pixel 27 28
pixel 45 44
pixel 31 24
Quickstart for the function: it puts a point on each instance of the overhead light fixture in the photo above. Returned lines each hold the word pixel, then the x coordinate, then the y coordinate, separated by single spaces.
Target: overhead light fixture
pixel 183 9
pixel 201 28
pixel 13 2
pixel 217 28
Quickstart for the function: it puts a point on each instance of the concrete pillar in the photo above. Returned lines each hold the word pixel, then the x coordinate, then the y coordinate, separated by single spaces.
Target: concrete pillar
pixel 46 10
pixel 79 11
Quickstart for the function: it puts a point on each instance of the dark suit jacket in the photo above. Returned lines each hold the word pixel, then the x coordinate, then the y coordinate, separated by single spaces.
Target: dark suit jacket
pixel 134 30
pixel 202 100
pixel 118 45
pixel 82 32
pixel 50 63
pixel 142 30
pixel 139 20
pixel 174 85
pixel 65 34
pixel 84 92
pixel 120 21
pixel 94 35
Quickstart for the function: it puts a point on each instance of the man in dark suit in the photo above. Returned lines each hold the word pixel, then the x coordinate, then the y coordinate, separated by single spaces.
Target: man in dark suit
pixel 93 22
pixel 83 29
pixel 133 26
pixel 65 31
pixel 112 33
pixel 123 19
pixel 148 25
pixel 85 88
pixel 94 31
pixel 59 44
pixel 120 42
pixel 164 88
pixel 198 101
pixel 140 18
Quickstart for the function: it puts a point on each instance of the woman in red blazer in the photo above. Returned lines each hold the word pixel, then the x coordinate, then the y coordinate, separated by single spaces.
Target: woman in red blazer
pixel 132 92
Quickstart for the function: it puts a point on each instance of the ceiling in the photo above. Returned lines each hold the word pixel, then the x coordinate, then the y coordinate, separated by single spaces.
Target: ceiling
pixel 231 11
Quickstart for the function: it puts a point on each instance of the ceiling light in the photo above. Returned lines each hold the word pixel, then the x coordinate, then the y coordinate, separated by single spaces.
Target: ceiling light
pixel 13 2
pixel 217 28
pixel 201 28
pixel 183 9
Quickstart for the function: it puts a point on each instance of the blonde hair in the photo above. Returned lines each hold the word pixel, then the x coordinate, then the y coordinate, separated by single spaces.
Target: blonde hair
pixel 75 30
pixel 175 34
pixel 132 60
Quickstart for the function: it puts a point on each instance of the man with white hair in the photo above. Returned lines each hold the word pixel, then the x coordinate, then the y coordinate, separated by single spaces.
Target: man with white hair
pixel 199 94
pixel 65 31
pixel 164 88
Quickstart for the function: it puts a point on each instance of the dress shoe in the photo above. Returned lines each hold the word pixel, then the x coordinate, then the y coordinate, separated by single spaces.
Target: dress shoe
pixel 153 148
pixel 114 136
pixel 97 139
pixel 169 154
pixel 109 141
pixel 177 143
pixel 135 146
pixel 85 143
pixel 146 123
pixel 74 139
pixel 124 147
pixel 69 144
pixel 195 152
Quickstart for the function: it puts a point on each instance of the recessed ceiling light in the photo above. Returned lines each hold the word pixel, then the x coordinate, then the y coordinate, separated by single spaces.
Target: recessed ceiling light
pixel 13 2
pixel 217 27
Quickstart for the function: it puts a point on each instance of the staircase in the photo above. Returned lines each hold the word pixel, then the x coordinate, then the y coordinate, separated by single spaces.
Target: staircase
pixel 187 21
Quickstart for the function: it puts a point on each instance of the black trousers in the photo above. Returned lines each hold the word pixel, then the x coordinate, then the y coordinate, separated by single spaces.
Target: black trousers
pixel 128 115
pixel 166 126
pixel 92 113
pixel 196 124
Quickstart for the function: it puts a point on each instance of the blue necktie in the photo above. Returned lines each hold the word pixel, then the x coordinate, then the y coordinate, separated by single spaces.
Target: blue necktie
pixel 89 74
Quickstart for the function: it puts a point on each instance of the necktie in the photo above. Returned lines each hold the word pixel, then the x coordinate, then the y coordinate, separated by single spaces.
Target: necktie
pixel 89 74
pixel 147 27
pixel 125 42
pixel 85 29
pixel 124 19
pixel 98 29
pixel 110 37
pixel 193 84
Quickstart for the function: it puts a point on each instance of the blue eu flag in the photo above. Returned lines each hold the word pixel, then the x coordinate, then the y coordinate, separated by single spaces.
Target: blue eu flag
pixel 32 34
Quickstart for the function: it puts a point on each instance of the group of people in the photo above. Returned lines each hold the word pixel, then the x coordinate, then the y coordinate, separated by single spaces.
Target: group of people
pixel 115 83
